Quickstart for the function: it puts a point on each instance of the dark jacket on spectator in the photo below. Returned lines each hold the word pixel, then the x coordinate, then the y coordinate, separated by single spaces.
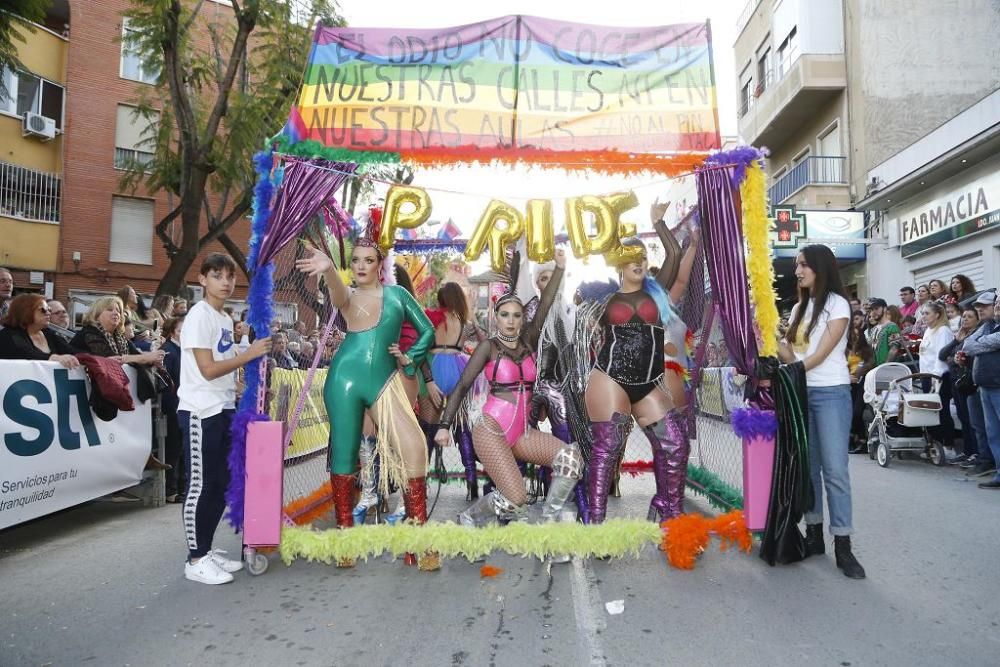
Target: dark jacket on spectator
pixel 15 343
pixel 983 345
pixel 91 339
pixel 172 362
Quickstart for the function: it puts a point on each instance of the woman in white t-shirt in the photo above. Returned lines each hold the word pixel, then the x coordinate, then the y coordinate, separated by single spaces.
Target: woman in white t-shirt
pixel 936 337
pixel 817 337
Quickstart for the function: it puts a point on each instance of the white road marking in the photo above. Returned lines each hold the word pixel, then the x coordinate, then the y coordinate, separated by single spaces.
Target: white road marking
pixel 588 609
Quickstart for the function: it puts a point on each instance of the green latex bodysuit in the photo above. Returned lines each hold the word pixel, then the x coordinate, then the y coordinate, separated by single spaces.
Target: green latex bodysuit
pixel 361 368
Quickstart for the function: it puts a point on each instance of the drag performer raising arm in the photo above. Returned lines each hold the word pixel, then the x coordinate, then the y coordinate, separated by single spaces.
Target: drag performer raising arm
pixel 627 380
pixel 363 376
pixel 507 361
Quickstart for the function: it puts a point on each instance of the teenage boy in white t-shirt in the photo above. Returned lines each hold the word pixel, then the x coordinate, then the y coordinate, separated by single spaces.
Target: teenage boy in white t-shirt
pixel 206 402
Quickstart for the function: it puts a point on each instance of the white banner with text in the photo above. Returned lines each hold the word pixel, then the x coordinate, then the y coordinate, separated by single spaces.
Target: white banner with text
pixel 54 452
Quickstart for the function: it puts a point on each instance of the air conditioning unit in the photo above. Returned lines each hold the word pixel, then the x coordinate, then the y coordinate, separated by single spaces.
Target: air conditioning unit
pixel 38 125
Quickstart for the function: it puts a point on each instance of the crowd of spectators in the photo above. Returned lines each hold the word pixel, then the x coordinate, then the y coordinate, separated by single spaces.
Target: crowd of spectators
pixel 951 331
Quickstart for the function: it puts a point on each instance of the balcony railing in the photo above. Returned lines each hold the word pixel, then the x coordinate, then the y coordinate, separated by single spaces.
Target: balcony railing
pixel 814 170
pixel 28 194
pixel 126 158
pixel 745 15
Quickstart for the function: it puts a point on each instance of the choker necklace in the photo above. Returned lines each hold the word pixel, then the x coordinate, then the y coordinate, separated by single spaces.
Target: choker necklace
pixel 507 339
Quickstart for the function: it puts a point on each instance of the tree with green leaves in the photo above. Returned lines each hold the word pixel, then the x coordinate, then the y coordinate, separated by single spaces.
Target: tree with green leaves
pixel 227 79
pixel 16 17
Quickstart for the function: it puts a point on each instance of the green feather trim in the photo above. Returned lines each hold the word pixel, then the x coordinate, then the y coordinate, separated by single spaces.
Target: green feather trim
pixel 314 149
pixel 614 538
pixel 718 493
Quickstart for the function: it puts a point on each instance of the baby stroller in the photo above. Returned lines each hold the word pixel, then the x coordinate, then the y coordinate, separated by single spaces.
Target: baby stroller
pixel 901 414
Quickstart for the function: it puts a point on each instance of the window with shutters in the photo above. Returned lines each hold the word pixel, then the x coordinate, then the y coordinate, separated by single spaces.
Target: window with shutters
pixel 131 231
pixel 134 138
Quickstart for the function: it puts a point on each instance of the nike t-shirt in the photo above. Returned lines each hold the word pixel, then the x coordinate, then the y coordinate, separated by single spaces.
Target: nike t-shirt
pixel 206 328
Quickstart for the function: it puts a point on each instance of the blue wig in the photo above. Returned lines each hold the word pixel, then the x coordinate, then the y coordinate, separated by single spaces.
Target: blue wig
pixel 661 298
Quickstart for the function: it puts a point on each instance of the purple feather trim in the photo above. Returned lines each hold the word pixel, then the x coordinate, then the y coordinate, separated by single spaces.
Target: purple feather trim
pixel 238 464
pixel 750 423
pixel 596 291
pixel 740 158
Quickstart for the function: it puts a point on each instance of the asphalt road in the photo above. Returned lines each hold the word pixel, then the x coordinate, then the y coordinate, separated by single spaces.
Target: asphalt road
pixel 102 584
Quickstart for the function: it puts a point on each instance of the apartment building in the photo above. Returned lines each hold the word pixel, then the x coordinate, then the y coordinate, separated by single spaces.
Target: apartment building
pixel 67 227
pixel 838 90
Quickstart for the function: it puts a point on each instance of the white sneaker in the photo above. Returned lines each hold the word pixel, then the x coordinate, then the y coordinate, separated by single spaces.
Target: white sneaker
pixel 206 571
pixel 227 564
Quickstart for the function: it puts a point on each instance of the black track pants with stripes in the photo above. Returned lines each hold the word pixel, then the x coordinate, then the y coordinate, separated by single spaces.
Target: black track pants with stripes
pixel 206 453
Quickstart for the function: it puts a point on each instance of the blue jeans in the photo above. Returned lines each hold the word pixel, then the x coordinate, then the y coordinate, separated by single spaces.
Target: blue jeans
pixel 991 410
pixel 978 419
pixel 829 434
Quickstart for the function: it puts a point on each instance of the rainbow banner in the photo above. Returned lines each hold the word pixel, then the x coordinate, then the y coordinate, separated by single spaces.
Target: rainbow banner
pixel 510 84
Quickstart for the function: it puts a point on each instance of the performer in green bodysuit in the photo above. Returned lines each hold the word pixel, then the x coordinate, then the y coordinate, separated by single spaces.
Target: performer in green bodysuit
pixel 363 376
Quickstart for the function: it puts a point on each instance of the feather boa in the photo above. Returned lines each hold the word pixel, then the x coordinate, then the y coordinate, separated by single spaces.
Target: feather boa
pixel 261 313
pixel 596 291
pixel 760 269
pixel 741 158
pixel 719 494
pixel 683 539
pixel 686 537
pixel 751 423
pixel 615 538
pixel 238 464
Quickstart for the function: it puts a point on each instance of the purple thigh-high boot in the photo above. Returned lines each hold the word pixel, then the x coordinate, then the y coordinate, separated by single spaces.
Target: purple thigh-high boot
pixel 608 442
pixel 464 440
pixel 669 440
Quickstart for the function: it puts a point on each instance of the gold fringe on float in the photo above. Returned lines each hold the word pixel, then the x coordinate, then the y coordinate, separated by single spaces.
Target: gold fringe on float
pixel 393 406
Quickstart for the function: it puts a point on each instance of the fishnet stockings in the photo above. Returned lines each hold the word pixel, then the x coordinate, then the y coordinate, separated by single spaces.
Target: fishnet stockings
pixel 428 412
pixel 499 459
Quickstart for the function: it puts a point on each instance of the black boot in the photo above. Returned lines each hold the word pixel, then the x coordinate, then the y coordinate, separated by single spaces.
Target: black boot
pixel 814 540
pixel 845 559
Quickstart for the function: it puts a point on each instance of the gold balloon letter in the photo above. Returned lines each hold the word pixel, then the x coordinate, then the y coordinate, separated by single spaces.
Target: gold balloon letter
pixel 604 219
pixel 541 239
pixel 394 218
pixel 617 254
pixel 488 232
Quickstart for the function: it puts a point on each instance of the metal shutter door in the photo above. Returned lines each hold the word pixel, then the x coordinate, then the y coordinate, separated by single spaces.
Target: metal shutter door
pixel 970 265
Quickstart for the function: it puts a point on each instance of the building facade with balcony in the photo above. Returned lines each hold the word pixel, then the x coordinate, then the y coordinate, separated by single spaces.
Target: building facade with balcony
pixel 67 226
pixel 32 117
pixel 834 88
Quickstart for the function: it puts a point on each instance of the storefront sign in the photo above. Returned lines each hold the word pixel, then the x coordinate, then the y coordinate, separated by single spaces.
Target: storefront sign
pixel 959 213
pixel 793 229
pixel 54 453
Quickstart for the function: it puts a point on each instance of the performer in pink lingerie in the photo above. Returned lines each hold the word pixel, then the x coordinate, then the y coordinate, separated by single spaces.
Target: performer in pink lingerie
pixel 503 436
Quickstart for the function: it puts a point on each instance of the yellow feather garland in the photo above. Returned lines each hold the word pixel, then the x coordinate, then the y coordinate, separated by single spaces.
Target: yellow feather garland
pixel 756 226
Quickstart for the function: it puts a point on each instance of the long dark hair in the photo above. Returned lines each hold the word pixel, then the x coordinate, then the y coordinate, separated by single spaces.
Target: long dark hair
pixel 403 278
pixel 968 289
pixel 822 261
pixel 451 297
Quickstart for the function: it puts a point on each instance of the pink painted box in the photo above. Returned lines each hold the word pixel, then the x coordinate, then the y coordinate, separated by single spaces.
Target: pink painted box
pixel 758 469
pixel 262 504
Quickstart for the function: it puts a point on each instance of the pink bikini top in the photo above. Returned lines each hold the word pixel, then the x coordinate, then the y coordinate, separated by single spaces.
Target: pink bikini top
pixel 505 373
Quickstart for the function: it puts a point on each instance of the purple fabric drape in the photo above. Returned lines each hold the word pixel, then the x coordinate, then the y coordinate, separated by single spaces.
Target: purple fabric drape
pixel 306 186
pixel 722 227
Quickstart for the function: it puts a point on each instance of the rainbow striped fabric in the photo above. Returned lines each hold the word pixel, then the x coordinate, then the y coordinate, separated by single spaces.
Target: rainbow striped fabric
pixel 509 84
